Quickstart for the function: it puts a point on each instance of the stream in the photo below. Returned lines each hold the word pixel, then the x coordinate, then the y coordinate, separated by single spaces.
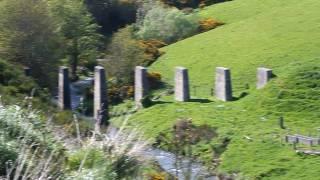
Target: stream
pixel 166 160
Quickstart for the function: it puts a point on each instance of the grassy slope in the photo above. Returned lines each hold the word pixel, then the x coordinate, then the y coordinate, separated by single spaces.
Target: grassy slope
pixel 280 35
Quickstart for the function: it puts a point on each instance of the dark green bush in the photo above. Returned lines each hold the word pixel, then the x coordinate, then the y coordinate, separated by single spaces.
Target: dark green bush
pixel 6 154
pixel 63 117
pixel 86 127
pixel 146 101
pixel 66 120
pixel 154 79
pixel 13 80
pixel 167 24
pixel 92 157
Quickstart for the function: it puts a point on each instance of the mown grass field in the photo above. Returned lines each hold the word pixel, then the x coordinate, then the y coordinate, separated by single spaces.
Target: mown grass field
pixel 282 35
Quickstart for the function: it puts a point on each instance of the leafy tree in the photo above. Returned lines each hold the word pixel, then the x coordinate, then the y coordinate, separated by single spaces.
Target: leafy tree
pixel 113 14
pixel 123 54
pixel 79 31
pixel 167 24
pixel 28 37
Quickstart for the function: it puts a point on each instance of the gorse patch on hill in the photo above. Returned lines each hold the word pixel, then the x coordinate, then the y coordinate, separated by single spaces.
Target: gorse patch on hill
pixel 281 35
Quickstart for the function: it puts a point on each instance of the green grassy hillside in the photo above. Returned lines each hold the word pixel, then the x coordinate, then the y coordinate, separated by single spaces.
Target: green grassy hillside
pixel 282 35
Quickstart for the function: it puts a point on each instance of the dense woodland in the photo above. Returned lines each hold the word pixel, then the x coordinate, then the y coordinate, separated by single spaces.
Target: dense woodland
pixel 47 34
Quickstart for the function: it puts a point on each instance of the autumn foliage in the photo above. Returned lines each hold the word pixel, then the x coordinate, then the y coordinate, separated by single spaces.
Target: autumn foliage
pixel 208 24
pixel 151 50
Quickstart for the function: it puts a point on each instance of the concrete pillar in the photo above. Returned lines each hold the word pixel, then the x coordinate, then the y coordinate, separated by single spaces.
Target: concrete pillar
pixel 141 85
pixel 100 96
pixel 64 99
pixel 263 77
pixel 181 84
pixel 223 87
pixel 27 71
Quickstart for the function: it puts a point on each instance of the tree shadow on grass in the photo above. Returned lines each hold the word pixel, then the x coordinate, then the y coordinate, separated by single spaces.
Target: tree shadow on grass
pixel 160 102
pixel 200 100
pixel 242 95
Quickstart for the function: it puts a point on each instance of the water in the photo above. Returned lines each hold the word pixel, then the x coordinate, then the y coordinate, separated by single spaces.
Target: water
pixel 166 160
pixel 77 90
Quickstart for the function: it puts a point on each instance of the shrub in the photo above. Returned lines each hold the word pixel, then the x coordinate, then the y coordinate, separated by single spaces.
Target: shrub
pixel 151 50
pixel 146 101
pixel 154 79
pixel 130 91
pixel 155 43
pixel 85 129
pixel 33 162
pixel 111 155
pixel 157 176
pixel 12 75
pixel 166 24
pixel 123 54
pixel 112 14
pixel 63 117
pixel 87 105
pixel 118 94
pixel 208 24
pixel 185 133
pixel 93 157
pixel 7 154
pixel 28 144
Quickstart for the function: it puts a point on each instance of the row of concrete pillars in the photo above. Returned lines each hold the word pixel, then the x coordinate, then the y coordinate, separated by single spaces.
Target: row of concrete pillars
pixel 223 83
pixel 223 87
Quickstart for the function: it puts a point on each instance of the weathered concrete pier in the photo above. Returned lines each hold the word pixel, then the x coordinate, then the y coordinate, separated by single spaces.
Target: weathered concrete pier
pixel 100 96
pixel 182 89
pixel 223 86
pixel 141 85
pixel 64 98
pixel 263 77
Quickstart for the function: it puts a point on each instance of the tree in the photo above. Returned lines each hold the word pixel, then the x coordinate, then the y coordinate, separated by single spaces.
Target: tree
pixel 123 54
pixel 28 37
pixel 112 14
pixel 79 31
pixel 167 24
